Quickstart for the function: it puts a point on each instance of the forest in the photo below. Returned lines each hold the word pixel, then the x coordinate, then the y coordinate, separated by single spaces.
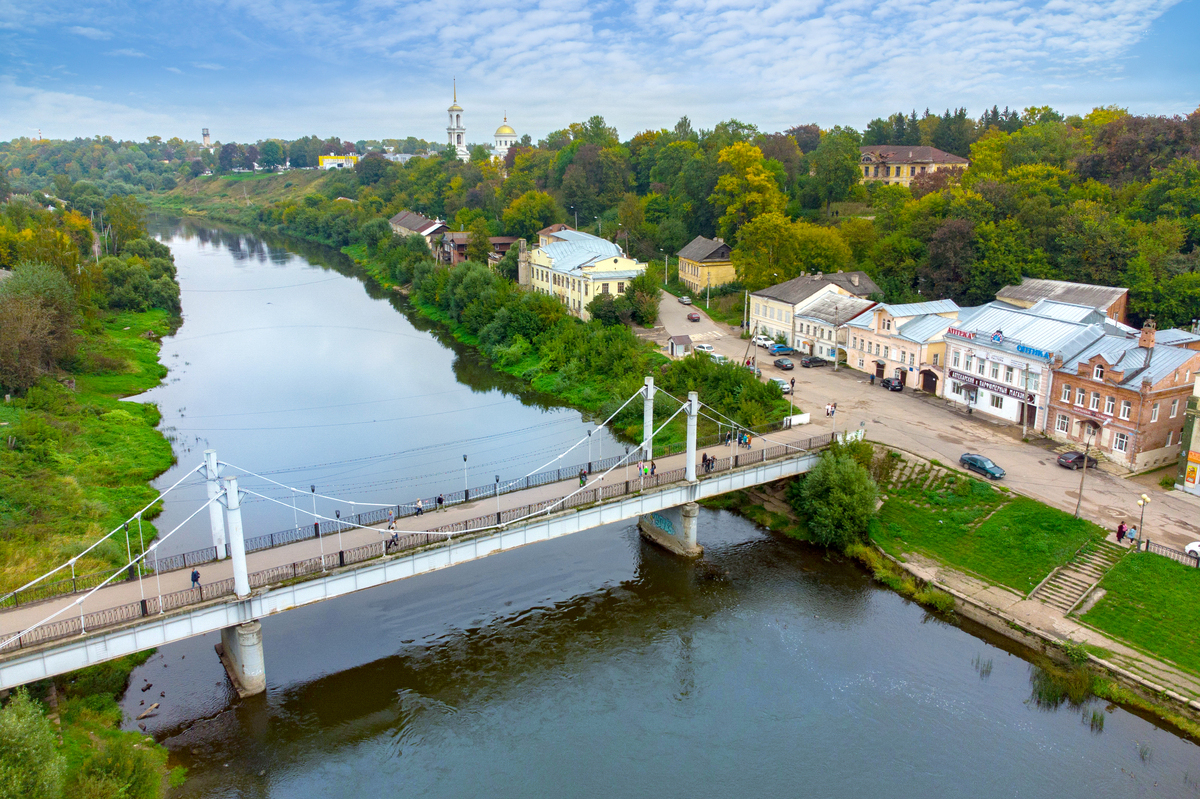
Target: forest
pixel 1107 197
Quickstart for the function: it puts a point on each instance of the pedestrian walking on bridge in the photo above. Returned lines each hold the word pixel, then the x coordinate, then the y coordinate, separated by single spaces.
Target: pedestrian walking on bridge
pixel 195 578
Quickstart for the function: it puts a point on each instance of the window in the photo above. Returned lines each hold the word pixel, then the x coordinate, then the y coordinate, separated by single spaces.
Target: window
pixel 854 343
pixel 1035 383
pixel 603 288
pixel 953 359
pixel 1170 435
pixel 1120 442
pixel 1008 374
pixel 1094 404
pixel 998 402
pixel 936 358
pixel 1079 396
pixel 1109 404
pixel 981 365
pixel 621 288
pixel 1098 372
pixel 1174 407
pixel 995 371
pixel 1063 423
pixel 860 363
pixel 756 311
pixel 1154 412
pixel 1066 393
pixel 866 171
pixel 912 170
pixel 876 347
pixel 1126 409
pixel 885 352
pixel 968 363
pixel 956 388
pixel 587 287
pixel 922 170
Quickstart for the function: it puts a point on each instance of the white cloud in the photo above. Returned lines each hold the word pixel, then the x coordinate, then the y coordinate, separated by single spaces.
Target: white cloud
pixel 90 33
pixel 208 66
pixel 176 70
pixel 126 52
pixel 65 115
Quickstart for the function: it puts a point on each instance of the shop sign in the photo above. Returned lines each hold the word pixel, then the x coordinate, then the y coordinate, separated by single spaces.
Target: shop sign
pixel 992 386
pixel 954 331
pixel 1025 349
pixel 998 337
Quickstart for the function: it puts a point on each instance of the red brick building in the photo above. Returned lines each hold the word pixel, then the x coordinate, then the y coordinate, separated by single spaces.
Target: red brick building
pixel 1128 394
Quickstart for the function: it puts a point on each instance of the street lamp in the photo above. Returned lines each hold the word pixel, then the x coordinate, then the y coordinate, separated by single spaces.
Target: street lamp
pixel 1142 503
pixel 599 222
pixel 836 323
pixel 338 515
pixel 497 499
pixel 317 525
pixel 466 489
pixel 1089 432
pixel 576 217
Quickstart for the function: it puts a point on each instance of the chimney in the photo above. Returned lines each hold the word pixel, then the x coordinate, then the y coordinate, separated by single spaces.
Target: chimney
pixel 719 240
pixel 854 280
pixel 1146 339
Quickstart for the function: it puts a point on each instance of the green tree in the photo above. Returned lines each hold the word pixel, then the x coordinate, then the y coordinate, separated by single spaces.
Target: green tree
pixel 31 766
pixel 835 168
pixel 531 212
pixel 747 190
pixel 766 252
pixel 838 499
pixel 271 155
pixel 478 245
pixel 126 217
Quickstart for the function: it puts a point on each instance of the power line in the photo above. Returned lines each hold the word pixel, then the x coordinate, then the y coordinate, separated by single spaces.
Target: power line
pixel 263 288
pixel 344 424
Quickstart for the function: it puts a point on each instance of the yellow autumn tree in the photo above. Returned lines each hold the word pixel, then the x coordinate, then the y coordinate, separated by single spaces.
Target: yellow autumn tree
pixel 746 191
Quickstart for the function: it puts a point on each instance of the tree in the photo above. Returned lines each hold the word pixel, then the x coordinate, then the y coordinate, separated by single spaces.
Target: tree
pixel 229 156
pixel 746 190
pixel 126 217
pixel 766 251
pixel 834 167
pixel 531 212
pixel 271 155
pixel 31 766
pixel 478 245
pixel 371 169
pixel 838 499
pixel 951 255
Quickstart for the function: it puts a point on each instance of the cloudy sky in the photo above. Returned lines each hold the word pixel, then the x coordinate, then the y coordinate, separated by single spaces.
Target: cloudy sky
pixel 250 69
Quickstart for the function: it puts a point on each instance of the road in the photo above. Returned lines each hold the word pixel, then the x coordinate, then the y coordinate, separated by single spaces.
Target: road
pixel 928 427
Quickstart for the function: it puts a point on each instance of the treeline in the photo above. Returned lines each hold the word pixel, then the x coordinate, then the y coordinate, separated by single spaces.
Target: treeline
pixel 55 287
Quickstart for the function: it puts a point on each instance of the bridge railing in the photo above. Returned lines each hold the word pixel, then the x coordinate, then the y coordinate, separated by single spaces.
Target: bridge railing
pixel 187 560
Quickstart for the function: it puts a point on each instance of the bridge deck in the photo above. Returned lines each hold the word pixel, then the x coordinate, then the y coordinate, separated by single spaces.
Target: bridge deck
pixel 109 605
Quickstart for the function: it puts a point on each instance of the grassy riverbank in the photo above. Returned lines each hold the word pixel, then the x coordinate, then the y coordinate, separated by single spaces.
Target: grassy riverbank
pixel 77 463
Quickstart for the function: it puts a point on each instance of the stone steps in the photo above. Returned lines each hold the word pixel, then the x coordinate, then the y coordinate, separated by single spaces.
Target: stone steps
pixel 1070 583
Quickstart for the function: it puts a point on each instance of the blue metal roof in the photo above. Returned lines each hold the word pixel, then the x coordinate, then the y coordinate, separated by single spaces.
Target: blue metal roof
pixel 923 328
pixel 922 308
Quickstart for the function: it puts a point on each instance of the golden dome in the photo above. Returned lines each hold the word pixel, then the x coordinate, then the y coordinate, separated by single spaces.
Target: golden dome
pixel 505 130
pixel 455 107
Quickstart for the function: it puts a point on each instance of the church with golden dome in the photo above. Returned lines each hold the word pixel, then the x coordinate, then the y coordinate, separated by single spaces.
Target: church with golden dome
pixel 456 132
pixel 505 137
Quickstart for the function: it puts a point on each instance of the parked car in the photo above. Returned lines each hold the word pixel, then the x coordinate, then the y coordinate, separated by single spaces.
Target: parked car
pixel 784 385
pixel 978 463
pixel 703 348
pixel 1074 460
pixel 1193 549
pixel 685 300
pixel 763 341
pixel 784 363
pixel 892 384
pixel 780 349
pixel 753 368
pixel 693 317
pixel 809 361
pixel 718 358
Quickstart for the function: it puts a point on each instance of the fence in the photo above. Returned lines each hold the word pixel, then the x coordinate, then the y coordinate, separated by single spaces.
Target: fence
pixel 186 560
pixel 1173 554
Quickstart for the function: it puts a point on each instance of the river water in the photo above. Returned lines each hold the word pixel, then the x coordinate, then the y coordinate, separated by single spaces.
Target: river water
pixel 590 665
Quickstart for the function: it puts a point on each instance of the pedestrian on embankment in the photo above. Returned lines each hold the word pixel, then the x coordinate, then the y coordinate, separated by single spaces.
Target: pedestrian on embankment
pixel 653 467
pixel 195 578
pixel 441 500
pixel 1121 530
pixel 420 507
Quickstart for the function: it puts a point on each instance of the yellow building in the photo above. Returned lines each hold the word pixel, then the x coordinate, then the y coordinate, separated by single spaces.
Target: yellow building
pixel 575 267
pixel 897 165
pixel 337 161
pixel 705 263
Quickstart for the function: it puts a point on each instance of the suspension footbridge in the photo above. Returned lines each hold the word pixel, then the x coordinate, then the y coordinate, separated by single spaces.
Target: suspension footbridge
pixel 61 621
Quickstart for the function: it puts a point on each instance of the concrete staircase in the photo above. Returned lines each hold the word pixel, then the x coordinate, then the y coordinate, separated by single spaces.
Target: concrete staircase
pixel 1067 585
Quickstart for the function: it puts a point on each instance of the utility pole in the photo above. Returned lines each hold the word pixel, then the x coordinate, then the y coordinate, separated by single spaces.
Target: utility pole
pixel 837 323
pixel 1091 431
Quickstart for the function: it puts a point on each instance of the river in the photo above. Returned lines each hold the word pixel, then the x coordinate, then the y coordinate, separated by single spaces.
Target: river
pixel 590 665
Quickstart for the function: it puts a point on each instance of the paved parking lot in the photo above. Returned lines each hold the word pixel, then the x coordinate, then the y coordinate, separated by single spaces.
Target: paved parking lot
pixel 928 427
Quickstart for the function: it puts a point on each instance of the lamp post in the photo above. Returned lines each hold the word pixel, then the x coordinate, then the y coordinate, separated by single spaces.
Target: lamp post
pixel 497 498
pixel 466 489
pixel 317 525
pixel 576 217
pixel 338 515
pixel 837 320
pixel 1142 503
pixel 600 224
pixel 1089 433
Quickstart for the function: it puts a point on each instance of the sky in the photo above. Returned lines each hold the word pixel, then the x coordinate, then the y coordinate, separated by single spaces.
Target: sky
pixel 373 69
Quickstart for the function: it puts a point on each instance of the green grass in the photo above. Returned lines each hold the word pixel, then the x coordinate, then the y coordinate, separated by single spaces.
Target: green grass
pixel 83 460
pixel 1021 542
pixel 1150 601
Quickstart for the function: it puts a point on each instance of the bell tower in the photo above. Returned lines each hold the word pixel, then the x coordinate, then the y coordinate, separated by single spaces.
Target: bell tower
pixel 456 131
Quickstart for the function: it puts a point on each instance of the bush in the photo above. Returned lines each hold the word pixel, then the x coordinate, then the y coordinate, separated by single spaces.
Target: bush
pixel 30 764
pixel 37 320
pixel 838 499
pixel 122 768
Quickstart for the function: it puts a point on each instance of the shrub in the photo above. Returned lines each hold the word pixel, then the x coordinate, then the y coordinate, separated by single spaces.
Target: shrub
pixel 30 764
pixel 838 499
pixel 122 768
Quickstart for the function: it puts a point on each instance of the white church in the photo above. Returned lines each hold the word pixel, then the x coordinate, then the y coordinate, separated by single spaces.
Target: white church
pixel 505 137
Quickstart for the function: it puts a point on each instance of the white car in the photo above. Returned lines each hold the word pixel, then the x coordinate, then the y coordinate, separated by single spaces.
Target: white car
pixel 784 385
pixel 1193 549
pixel 702 347
pixel 718 358
pixel 763 341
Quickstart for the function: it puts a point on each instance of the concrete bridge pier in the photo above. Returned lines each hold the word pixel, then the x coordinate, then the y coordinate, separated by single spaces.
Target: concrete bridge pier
pixel 241 653
pixel 674 529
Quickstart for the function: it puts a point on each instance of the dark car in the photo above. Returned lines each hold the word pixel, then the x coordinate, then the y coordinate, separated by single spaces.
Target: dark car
pixel 981 464
pixel 892 384
pixel 812 360
pixel 693 317
pixel 784 363
pixel 1074 460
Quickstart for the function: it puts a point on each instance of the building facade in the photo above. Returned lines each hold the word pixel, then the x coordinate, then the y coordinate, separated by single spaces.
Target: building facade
pixel 705 263
pixel 904 341
pixel 773 309
pixel 1128 396
pixel 820 323
pixel 409 223
pixel 899 165
pixel 337 161
pixel 576 267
